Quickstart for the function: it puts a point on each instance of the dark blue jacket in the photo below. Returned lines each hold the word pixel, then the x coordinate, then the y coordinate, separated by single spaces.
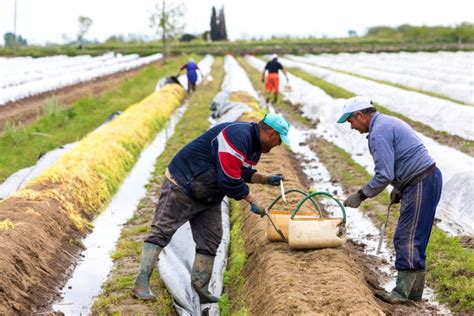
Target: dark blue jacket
pixel 218 163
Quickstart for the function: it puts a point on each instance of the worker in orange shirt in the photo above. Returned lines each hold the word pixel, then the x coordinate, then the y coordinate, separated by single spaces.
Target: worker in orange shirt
pixel 273 82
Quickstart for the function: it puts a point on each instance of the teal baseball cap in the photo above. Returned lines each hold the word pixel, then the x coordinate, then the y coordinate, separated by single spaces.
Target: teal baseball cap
pixel 279 124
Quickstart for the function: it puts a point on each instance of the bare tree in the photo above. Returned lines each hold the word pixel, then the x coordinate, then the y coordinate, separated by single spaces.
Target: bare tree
pixel 84 25
pixel 168 20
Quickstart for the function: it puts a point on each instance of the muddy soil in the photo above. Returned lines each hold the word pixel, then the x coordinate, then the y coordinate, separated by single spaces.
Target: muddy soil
pixel 364 269
pixel 285 281
pixel 36 253
pixel 26 111
pixel 326 281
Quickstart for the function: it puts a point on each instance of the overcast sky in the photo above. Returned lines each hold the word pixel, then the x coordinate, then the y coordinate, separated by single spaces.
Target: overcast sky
pixel 40 21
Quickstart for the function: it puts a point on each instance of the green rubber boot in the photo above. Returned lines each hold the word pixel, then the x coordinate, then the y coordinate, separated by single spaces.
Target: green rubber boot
pixel 401 292
pixel 416 293
pixel 200 277
pixel 150 253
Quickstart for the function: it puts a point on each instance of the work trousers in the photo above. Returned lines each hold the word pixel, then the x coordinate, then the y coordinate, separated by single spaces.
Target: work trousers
pixel 417 213
pixel 176 208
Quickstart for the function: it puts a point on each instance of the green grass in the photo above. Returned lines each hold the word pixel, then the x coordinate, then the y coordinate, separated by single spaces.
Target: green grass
pixel 196 118
pixel 21 146
pixel 451 271
pixel 194 122
pixel 232 302
pixel 461 144
pixel 127 248
pixel 286 45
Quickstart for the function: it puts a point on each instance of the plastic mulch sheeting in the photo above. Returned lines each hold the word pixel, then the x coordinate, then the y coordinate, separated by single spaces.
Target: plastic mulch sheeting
pixel 440 72
pixel 440 114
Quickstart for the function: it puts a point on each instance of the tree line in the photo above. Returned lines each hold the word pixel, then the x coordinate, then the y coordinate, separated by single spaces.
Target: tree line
pixel 462 33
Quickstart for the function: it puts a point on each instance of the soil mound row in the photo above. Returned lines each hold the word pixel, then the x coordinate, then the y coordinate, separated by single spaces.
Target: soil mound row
pixel 285 281
pixel 51 213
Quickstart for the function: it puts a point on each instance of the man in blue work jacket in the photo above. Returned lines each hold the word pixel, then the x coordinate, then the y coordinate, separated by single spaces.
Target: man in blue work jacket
pixel 218 163
pixel 401 160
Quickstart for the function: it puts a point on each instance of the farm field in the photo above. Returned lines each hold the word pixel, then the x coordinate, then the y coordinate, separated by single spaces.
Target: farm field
pixel 104 183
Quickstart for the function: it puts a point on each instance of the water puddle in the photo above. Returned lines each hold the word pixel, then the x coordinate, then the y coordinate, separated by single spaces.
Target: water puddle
pixel 86 281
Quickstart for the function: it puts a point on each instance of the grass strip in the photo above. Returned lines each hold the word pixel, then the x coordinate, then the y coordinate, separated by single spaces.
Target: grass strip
pixel 281 45
pixel 116 295
pixel 459 143
pixel 450 266
pixel 21 146
pixel 232 302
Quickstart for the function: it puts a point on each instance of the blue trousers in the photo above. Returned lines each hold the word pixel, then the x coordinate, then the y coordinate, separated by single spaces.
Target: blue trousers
pixel 417 213
pixel 192 77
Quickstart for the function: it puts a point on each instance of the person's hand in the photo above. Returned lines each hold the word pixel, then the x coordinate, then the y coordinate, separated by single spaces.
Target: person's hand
pixel 274 179
pixel 257 209
pixel 354 200
pixel 395 196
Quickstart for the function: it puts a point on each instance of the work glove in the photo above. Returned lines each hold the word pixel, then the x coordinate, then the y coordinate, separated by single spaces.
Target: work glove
pixel 355 199
pixel 257 209
pixel 274 179
pixel 395 196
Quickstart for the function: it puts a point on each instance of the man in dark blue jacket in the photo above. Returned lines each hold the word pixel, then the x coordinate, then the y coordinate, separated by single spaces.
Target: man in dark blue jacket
pixel 272 83
pixel 218 163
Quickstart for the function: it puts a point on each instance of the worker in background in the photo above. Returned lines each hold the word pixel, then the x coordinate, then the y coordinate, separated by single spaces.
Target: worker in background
pixel 218 163
pixel 401 160
pixel 272 82
pixel 191 73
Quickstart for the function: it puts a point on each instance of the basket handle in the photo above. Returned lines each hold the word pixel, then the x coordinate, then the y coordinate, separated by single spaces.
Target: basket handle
pixel 310 196
pixel 316 205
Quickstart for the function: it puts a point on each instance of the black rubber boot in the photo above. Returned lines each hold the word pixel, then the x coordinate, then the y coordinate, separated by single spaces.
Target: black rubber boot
pixel 150 253
pixel 200 277
pixel 416 293
pixel 401 292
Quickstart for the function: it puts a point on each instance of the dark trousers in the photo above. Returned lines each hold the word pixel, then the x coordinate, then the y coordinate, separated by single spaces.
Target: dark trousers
pixel 174 209
pixel 417 213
